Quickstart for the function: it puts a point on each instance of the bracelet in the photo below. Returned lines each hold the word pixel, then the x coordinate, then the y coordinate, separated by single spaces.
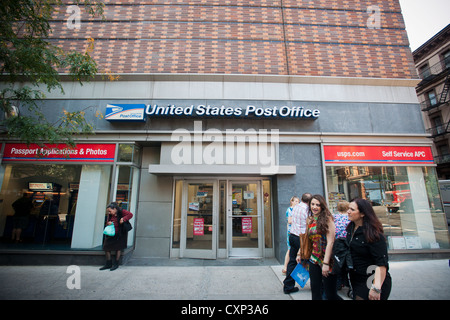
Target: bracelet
pixel 325 263
pixel 375 289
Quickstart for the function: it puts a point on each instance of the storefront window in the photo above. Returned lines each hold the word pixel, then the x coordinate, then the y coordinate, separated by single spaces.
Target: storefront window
pixel 69 189
pixel 53 191
pixel 124 186
pixel 129 153
pixel 58 205
pixel 268 242
pixel 222 214
pixel 127 182
pixel 405 199
pixel 177 214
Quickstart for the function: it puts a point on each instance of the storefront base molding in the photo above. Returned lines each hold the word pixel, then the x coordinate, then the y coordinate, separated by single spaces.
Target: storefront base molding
pixel 411 255
pixel 57 257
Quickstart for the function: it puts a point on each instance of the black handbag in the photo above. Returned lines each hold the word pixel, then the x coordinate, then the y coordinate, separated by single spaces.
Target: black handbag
pixel 126 226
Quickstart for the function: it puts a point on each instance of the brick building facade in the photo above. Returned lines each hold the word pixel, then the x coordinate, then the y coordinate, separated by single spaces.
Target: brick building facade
pixel 301 38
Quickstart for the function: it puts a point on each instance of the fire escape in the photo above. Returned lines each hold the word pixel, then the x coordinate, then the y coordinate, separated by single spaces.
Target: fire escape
pixel 437 76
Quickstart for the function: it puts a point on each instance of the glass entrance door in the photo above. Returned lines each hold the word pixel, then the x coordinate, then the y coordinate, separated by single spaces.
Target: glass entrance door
pixel 198 222
pixel 244 219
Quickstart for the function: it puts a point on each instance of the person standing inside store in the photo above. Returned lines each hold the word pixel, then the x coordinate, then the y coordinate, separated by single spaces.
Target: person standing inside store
pixel 118 242
pixel 22 209
pixel 294 201
pixel 321 231
pixel 368 249
pixel 298 226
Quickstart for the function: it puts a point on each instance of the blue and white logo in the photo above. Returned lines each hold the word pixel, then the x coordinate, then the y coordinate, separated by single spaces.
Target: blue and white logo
pixel 125 112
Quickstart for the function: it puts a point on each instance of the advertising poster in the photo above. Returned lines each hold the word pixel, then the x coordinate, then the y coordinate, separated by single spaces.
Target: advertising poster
pixel 246 225
pixel 237 196
pixel 199 226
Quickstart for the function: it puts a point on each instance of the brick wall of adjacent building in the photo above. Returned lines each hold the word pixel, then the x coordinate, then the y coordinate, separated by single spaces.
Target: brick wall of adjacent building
pixel 281 37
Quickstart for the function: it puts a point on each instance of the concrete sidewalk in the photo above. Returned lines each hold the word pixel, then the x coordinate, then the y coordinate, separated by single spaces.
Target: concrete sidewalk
pixel 181 280
pixel 411 280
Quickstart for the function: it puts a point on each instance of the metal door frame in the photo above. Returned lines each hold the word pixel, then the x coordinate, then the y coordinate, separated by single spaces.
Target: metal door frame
pixel 199 253
pixel 245 252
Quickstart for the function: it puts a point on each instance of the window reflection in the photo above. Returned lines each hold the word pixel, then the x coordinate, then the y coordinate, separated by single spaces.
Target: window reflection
pixel 53 190
pixel 405 199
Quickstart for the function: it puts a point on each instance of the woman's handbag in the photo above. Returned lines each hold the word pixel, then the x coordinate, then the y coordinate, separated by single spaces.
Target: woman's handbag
pixel 126 226
pixel 110 230
pixel 305 246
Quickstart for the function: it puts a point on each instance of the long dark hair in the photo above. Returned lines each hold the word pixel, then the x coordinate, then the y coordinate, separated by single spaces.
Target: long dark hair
pixel 115 205
pixel 372 227
pixel 324 215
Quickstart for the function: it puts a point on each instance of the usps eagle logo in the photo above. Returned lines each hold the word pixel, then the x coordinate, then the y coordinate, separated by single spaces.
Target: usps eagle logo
pixel 125 112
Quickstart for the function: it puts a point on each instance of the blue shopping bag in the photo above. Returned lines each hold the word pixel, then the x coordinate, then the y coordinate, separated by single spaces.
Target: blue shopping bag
pixel 300 275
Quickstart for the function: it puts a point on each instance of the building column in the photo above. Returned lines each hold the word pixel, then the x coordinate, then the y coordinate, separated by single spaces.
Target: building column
pixel 422 214
pixel 91 206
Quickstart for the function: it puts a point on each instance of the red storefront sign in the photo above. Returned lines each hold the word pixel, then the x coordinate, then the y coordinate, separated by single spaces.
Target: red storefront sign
pixel 83 152
pixel 378 155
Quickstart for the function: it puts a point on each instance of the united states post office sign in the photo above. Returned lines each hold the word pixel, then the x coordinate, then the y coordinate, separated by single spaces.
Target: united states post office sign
pixel 125 112
pixel 139 112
